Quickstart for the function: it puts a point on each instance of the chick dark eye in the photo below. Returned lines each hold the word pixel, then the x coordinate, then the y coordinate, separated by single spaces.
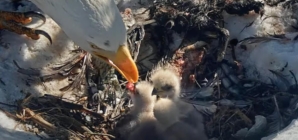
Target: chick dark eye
pixel 167 87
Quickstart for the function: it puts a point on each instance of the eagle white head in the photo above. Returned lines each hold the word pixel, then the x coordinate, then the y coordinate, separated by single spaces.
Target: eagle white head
pixel 97 27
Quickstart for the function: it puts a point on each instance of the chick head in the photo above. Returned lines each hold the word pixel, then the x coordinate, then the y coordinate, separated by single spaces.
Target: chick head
pixel 166 82
pixel 142 96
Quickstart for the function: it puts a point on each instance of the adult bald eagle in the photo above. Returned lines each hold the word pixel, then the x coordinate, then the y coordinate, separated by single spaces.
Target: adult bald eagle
pixel 94 25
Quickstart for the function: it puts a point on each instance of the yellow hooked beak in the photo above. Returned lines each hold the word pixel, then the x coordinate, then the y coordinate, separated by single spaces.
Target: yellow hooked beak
pixel 121 61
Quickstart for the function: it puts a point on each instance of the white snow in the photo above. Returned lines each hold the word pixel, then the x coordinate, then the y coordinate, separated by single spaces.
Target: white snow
pixel 8 132
pixel 273 55
pixel 258 58
pixel 288 133
pixel 265 54
pixel 268 54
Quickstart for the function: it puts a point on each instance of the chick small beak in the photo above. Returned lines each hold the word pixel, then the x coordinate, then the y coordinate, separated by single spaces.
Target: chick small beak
pixel 154 91
pixel 122 62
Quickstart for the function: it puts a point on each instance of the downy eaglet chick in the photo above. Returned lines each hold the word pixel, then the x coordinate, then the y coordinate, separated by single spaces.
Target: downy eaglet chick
pixel 142 98
pixel 165 78
pixel 142 111
pixel 166 84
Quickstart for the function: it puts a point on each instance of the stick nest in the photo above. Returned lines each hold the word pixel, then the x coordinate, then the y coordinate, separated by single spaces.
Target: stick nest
pixel 216 87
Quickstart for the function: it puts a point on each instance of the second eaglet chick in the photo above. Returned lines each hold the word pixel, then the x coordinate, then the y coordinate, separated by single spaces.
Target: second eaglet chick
pixel 166 84
pixel 165 78
pixel 167 114
pixel 143 101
